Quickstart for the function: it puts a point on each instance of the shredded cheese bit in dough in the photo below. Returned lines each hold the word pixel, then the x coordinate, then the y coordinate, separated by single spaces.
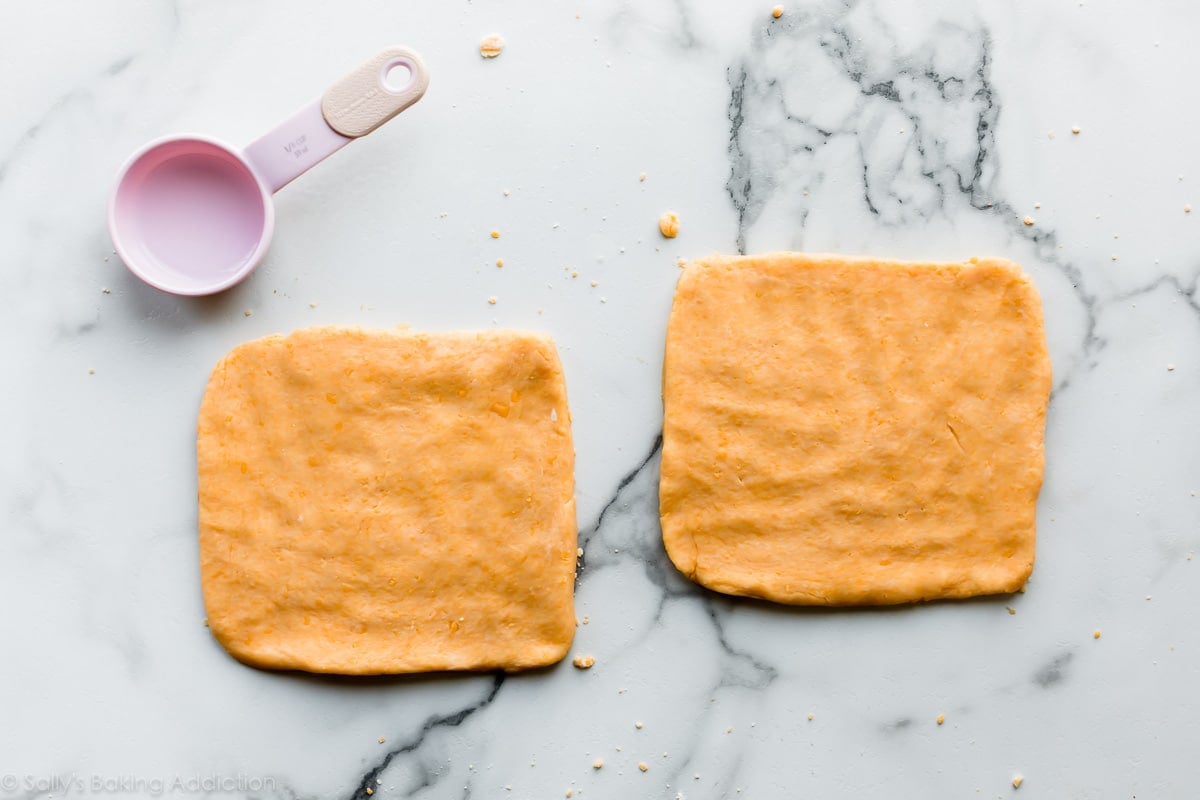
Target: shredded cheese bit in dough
pixel 491 45
pixel 668 224
pixel 584 662
pixel 777 12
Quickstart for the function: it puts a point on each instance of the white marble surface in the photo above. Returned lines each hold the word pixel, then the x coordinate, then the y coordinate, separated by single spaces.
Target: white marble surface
pixel 916 129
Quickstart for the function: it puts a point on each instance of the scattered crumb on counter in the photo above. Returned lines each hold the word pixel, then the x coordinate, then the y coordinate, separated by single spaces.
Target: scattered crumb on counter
pixel 595 283
pixel 643 766
pixel 1075 129
pixel 668 224
pixel 495 234
pixel 941 719
pixel 574 273
pixel 1037 205
pixel 810 717
pixel 1011 611
pixel 107 290
pixel 1096 633
pixel 570 792
pixel 91 371
pixel 505 193
pixel 637 725
pixel 584 662
pixel 586 619
pixel 1050 134
pixel 642 177
pixel 541 310
pixel 1017 781
pixel 370 791
pixel 1170 367
pixel 679 262
pixel 248 312
pixel 777 12
pixel 382 740
pixel 491 45
pixel 499 262
pixel 579 552
pixel 312 305
pixel 492 300
pixel 1114 258
pixel 1147 597
pixel 598 763
pixel 1028 221
pixel 603 299
pixel 729 729
pixel 1186 209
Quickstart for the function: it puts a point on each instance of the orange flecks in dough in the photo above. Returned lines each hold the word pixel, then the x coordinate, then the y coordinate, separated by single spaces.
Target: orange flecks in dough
pixel 847 431
pixel 406 527
pixel 668 224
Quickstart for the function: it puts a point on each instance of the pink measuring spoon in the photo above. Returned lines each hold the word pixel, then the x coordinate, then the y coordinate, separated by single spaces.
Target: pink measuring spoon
pixel 192 215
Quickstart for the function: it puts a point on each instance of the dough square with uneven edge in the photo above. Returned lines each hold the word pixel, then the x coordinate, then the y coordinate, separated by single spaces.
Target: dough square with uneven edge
pixel 853 431
pixel 381 502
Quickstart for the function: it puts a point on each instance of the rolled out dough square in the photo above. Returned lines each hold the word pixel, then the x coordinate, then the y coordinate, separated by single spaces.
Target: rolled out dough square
pixel 380 502
pixel 853 431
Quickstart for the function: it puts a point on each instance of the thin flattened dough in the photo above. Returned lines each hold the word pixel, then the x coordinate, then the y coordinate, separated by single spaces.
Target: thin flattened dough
pixel 377 502
pixel 845 431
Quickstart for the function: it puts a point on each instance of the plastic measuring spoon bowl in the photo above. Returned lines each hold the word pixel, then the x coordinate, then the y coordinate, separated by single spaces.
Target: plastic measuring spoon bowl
pixel 192 215
pixel 189 216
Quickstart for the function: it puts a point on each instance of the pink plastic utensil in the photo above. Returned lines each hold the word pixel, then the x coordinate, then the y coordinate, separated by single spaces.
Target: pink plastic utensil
pixel 192 215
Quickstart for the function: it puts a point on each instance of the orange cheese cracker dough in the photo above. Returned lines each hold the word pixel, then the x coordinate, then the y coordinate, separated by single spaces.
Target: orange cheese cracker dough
pixel 845 431
pixel 377 502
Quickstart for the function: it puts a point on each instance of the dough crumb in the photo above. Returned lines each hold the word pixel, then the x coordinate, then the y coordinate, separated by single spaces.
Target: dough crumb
pixel 777 12
pixel 499 262
pixel 579 552
pixel 637 725
pixel 941 719
pixel 107 290
pixel 810 717
pixel 668 224
pixel 1017 781
pixel 91 371
pixel 1170 367
pixel 679 262
pixel 1028 221
pixel 1186 209
pixel 642 177
pixel 370 791
pixel 595 283
pixel 1011 611
pixel 312 305
pixel 248 312
pixel 1096 633
pixel 1037 205
pixel 1075 130
pixel 491 45
pixel 584 662
pixel 598 763
pixel 382 740
pixel 569 793
pixel 586 619
pixel 495 234
pixel 1050 134
pixel 492 300
pixel 643 766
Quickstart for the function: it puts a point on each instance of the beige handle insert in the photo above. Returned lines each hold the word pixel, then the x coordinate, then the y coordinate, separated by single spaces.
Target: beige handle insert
pixel 367 98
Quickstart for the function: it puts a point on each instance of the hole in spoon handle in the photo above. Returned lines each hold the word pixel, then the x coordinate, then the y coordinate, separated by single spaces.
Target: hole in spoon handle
pixel 368 97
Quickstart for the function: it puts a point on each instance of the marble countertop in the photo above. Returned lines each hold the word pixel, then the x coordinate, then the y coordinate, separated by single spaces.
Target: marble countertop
pixel 912 130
